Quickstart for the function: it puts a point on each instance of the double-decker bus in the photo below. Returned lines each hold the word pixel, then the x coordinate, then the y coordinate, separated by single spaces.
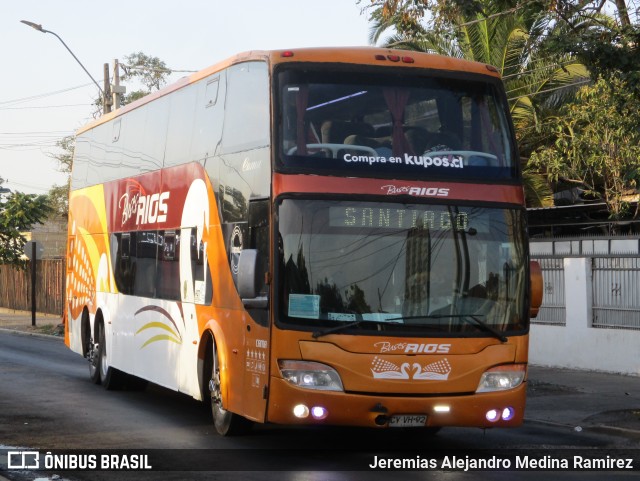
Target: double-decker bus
pixel 312 236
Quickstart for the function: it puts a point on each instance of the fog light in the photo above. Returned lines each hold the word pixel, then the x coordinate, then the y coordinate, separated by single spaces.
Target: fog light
pixel 492 415
pixel 508 413
pixel 318 412
pixel 301 411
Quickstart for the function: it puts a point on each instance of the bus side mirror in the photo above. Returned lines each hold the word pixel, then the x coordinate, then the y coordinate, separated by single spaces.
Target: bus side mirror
pixel 248 280
pixel 536 288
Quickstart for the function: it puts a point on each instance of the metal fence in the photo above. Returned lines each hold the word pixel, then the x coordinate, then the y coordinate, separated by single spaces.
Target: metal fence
pixel 553 310
pixel 615 279
pixel 15 287
pixel 616 292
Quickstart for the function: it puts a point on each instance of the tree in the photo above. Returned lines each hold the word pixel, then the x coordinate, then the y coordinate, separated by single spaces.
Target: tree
pixel 151 72
pixel 595 144
pixel 59 194
pixel 608 47
pixel 19 213
pixel 509 39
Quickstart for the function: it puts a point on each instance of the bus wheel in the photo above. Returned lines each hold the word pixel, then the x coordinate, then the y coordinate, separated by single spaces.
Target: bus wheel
pixel 225 422
pixel 110 378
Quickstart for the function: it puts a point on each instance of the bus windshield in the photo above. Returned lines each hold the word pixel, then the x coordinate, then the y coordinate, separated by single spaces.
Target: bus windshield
pixel 407 268
pixel 414 125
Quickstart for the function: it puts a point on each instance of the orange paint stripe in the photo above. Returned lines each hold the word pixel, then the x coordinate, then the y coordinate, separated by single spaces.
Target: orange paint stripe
pixel 308 184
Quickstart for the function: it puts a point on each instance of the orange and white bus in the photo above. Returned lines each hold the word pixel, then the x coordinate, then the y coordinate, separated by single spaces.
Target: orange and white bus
pixel 314 236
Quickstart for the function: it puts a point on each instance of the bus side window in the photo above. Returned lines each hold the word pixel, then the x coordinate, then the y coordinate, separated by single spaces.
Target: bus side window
pixel 201 274
pixel 147 251
pixel 168 273
pixel 125 261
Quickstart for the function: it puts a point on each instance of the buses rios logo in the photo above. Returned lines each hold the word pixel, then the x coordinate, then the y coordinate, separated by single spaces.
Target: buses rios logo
pixel 393 189
pixel 147 209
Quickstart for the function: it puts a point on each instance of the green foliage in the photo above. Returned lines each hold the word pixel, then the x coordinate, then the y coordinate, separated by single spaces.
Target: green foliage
pixel 609 51
pixel 59 194
pixel 19 213
pixel 65 157
pixel 496 33
pixel 143 74
pixel 595 143
pixel 150 72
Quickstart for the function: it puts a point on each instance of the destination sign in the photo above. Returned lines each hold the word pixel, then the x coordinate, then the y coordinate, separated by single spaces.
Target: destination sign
pixel 395 218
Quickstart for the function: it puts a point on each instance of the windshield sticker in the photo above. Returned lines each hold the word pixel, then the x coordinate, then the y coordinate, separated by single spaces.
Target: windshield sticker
pixel 436 371
pixel 304 305
pixel 341 316
pixel 438 160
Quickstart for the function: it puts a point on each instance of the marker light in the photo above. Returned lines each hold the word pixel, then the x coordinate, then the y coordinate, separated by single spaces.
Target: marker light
pixel 394 58
pixel 287 54
pixel 501 378
pixel 301 411
pixel 318 412
pixel 492 415
pixel 508 414
pixel 310 375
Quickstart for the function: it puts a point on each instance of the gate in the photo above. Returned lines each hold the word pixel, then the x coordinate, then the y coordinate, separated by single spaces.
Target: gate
pixel 616 292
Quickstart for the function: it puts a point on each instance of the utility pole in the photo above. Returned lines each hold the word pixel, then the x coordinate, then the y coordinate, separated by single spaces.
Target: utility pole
pixel 116 88
pixel 106 100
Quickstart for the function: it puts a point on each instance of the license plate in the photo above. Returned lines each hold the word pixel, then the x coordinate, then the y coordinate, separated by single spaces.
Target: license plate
pixel 408 421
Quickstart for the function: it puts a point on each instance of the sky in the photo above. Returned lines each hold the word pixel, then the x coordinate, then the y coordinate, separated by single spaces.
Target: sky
pixel 45 95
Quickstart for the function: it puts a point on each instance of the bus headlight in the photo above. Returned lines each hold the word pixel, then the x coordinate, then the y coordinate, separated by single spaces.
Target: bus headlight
pixel 311 375
pixel 501 378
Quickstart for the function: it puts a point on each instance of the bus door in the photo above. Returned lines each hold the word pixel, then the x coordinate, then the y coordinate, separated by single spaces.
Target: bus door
pixel 253 287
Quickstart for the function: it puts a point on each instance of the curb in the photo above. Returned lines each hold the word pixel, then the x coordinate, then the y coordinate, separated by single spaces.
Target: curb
pixel 600 428
pixel 33 334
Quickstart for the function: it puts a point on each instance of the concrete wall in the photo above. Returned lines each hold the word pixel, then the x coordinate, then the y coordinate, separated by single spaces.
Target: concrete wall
pixel 577 345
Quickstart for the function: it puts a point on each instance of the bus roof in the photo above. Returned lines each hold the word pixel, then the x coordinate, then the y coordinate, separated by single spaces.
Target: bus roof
pixel 353 55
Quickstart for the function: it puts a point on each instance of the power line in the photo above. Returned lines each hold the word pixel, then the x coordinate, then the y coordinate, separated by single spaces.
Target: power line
pixel 152 69
pixel 543 68
pixel 39 96
pixel 497 14
pixel 551 90
pixel 44 107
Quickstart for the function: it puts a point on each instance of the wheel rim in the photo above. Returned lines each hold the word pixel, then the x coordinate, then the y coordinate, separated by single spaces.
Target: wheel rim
pixel 214 387
pixel 93 365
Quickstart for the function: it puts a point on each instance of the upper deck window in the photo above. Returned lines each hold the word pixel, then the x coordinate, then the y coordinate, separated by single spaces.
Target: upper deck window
pixel 414 124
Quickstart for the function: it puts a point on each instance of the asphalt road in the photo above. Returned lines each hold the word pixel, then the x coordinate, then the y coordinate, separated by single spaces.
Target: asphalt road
pixel 48 403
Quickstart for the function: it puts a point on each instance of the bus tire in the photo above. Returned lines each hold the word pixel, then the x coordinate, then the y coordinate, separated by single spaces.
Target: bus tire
pixel 110 378
pixel 225 422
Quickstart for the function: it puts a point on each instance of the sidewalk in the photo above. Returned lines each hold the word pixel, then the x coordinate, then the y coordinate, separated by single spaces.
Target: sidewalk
pixel 21 321
pixel 563 397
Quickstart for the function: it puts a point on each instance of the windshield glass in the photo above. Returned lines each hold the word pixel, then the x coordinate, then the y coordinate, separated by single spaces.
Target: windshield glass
pixel 406 267
pixel 411 125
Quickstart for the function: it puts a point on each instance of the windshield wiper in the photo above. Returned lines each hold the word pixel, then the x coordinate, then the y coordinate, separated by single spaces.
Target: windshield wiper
pixel 483 325
pixel 341 327
pixel 470 318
